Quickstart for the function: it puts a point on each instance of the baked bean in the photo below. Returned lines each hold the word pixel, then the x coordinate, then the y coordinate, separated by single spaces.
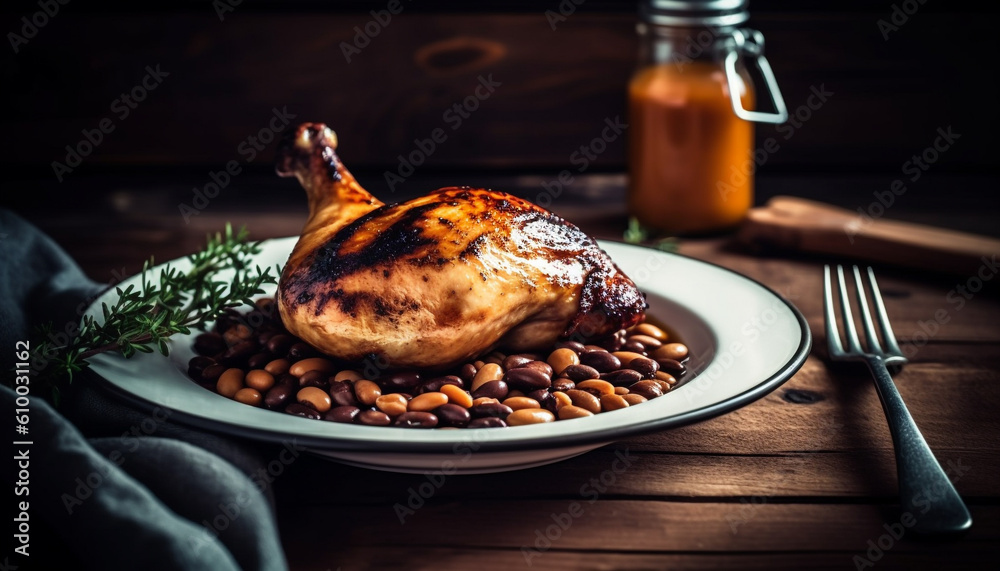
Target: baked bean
pixel 596 387
pixel 315 397
pixel 230 382
pixel 373 418
pixel 302 367
pixel 527 379
pixel 343 414
pixel 483 400
pixel 278 396
pixel 280 343
pixel 290 380
pixel 492 389
pixel 366 391
pixel 479 364
pixel 315 378
pixel 457 396
pixel 562 384
pixel 575 346
pixel 562 399
pixel 393 404
pixel 626 356
pixel 649 342
pixel 197 365
pixel 671 366
pixel 651 330
pixel 581 373
pixel 562 358
pixel 664 386
pixel 238 353
pixel 342 394
pixel 248 396
pixel 542 367
pixel 209 344
pixel 495 357
pixel 258 360
pixel 665 377
pixel 467 372
pixel 212 373
pixel 530 416
pixel 348 375
pixel 633 399
pixel 613 402
pixel 622 377
pixel 648 389
pixel 675 351
pixel 303 411
pixel 402 381
pixel 634 347
pixel 259 379
pixel 488 372
pixel 621 390
pixel 585 400
pixel 487 422
pixel 490 409
pixel 434 385
pixel 515 393
pixel 612 343
pixel 427 402
pixel 573 411
pixel 278 366
pixel 416 419
pixel 517 403
pixel 603 361
pixel 301 350
pixel 647 367
pixel 515 361
pixel 452 415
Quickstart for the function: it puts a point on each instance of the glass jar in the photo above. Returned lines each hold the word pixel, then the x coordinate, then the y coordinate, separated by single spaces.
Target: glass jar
pixel 691 135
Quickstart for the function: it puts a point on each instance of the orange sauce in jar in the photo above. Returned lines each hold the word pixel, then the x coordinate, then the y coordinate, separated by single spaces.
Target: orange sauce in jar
pixel 690 156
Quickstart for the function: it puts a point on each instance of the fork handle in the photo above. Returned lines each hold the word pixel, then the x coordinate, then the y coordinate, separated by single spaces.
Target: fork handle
pixel 925 491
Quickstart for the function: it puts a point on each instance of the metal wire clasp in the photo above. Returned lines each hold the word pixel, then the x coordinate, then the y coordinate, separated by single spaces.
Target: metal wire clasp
pixel 751 43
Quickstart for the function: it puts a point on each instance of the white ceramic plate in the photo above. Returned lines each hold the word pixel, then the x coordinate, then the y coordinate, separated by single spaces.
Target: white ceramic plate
pixel 744 339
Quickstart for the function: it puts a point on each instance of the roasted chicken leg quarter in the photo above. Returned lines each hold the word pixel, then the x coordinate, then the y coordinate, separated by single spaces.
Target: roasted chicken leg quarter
pixel 442 278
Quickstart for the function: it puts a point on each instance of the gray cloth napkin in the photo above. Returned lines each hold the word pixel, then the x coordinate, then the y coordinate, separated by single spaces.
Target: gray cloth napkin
pixel 112 487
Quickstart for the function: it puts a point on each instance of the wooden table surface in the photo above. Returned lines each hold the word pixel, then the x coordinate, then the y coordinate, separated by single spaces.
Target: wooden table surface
pixel 802 478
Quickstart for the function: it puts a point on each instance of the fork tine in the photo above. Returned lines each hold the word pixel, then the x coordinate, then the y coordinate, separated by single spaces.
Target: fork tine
pixel 832 333
pixel 866 315
pixel 883 318
pixel 853 344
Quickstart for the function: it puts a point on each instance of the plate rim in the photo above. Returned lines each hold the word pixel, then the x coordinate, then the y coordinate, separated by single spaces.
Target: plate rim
pixel 486 445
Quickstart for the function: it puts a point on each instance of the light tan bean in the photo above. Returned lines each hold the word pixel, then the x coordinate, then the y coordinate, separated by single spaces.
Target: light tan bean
pixel 529 416
pixel 562 358
pixel 393 404
pixel 633 399
pixel 626 356
pixel 248 396
pixel 259 379
pixel 517 403
pixel 651 330
pixel 457 396
pixel 613 402
pixel 488 372
pixel 427 402
pixel 648 342
pixel 675 351
pixel 230 382
pixel 665 377
pixel 585 400
pixel 664 385
pixel 562 399
pixel 572 411
pixel 278 366
pixel 366 391
pixel 621 390
pixel 602 387
pixel 515 393
pixel 484 400
pixel 311 364
pixel 315 397
pixel 348 375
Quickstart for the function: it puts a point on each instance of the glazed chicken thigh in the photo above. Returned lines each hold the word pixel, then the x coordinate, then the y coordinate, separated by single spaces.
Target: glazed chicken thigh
pixel 442 278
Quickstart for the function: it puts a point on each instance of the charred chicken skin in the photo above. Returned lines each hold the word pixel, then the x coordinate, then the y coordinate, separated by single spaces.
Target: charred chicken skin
pixel 442 278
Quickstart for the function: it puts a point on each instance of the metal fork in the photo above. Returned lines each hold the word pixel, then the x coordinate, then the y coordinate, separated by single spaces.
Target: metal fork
pixel 925 490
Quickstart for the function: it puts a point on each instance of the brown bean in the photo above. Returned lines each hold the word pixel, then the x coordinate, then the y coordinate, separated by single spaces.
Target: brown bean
pixel 348 375
pixel 259 360
pixel 457 396
pixel 664 386
pixel 486 373
pixel 492 389
pixel 515 361
pixel 280 343
pixel 633 399
pixel 562 399
pixel 230 382
pixel 278 396
pixel 427 402
pixel 622 377
pixel 213 372
pixel 530 416
pixel 527 379
pixel 542 367
pixel 416 419
pixel 573 411
pixel 596 387
pixel 671 366
pixel 562 358
pixel 648 341
pixel 585 400
pixel 197 366
pixel 301 350
pixel 278 366
pixel 238 354
pixel 259 379
pixel 249 396
pixel 452 415
pixel 316 378
pixel 345 414
pixel 342 394
pixel 621 390
pixel 315 397
pixel 467 372
pixel 366 391
pixel 634 347
pixel 665 377
pixel 648 389
pixel 487 422
pixel 613 402
pixel 290 380
pixel 303 366
pixel 517 403
pixel 675 351
pixel 576 346
pixel 209 344
pixel 562 384
pixel 373 418
pixel 490 409
pixel 647 367
pixel 434 385
pixel 393 404
pixel 603 361
pixel 626 356
pixel 581 372
pixel 651 330
pixel 400 382
pixel 303 411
